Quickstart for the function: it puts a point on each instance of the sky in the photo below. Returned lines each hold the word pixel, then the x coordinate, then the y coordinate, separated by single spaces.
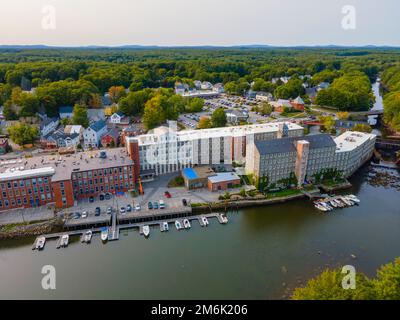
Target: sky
pixel 199 22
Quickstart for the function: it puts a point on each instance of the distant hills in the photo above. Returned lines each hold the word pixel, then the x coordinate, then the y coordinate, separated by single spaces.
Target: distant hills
pixel 249 46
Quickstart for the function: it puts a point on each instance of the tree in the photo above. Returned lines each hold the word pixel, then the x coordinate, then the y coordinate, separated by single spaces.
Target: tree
pixel 361 127
pixel 344 115
pixel 29 104
pixel 218 118
pixel 80 116
pixel 116 93
pixel 328 285
pixel 134 103
pixel 9 112
pixel 204 123
pixel 266 108
pixel 23 134
pixel 292 89
pixel 153 113
pixel 194 105
pixel 328 123
pixel 95 101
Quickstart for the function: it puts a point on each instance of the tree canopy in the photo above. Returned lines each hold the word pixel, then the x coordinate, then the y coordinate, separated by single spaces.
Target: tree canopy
pixel 23 134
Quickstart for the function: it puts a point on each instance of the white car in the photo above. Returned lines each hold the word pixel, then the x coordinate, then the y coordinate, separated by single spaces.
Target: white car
pixel 122 210
pixel 137 207
pixel 84 214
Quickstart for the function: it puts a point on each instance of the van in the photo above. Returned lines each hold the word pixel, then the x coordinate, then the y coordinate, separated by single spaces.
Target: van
pixel 162 204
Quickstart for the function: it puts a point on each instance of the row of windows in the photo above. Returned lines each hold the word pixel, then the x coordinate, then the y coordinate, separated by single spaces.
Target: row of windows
pixel 22 183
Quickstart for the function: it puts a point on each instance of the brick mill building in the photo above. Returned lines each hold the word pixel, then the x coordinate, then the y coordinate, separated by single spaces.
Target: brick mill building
pixel 60 180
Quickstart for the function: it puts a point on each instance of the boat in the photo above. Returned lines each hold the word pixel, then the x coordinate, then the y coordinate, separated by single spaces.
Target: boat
pixel 338 203
pixel 165 226
pixel 320 207
pixel 178 225
pixel 104 234
pixel 224 219
pixel 333 203
pixel 353 198
pixel 326 206
pixel 40 242
pixel 204 221
pixel 63 241
pixel 146 231
pixel 347 201
pixel 87 236
pixel 186 224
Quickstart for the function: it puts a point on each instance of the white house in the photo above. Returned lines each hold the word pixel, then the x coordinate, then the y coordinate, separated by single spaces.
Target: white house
pixel 66 112
pixel 219 87
pixel 117 117
pixel 92 135
pixel 206 85
pixel 264 96
pixel 48 125
pixel 72 129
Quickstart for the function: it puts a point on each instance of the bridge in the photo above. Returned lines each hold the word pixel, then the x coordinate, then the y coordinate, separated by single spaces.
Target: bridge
pixel 367 113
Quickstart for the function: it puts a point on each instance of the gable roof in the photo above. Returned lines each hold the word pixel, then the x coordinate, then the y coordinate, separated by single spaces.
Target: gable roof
pixel 298 100
pixel 98 125
pixel 285 145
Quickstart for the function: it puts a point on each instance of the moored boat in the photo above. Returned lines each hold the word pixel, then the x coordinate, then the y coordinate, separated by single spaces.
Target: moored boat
pixel 178 225
pixel 186 224
pixel 146 231
pixel 104 234
pixel 40 242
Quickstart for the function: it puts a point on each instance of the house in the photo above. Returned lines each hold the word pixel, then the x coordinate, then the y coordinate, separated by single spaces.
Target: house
pixel 71 129
pixel 251 94
pixel 110 138
pixel 281 104
pixel 323 86
pixel 197 84
pixel 92 135
pixel 117 117
pixel 206 85
pixel 48 125
pixel 59 139
pixel 298 103
pixel 66 112
pixel 223 181
pixel 181 88
pixel 132 130
pixel 312 93
pixel 236 116
pixel 3 145
pixel 219 87
pixel 264 96
pixel 95 115
pixel 196 178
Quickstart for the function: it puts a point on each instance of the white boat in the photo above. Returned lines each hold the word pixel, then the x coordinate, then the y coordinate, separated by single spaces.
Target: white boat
pixel 178 225
pixel 146 231
pixel 186 224
pixel 205 221
pixel 320 207
pixel 165 226
pixel 352 197
pixel 224 219
pixel 104 234
pixel 326 206
pixel 346 201
pixel 40 242
pixel 64 241
pixel 338 203
pixel 333 203
pixel 87 236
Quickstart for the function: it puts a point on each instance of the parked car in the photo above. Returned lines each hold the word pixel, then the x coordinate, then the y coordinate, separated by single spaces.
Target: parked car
pixel 128 208
pixel 155 205
pixel 122 210
pixel 84 214
pixel 137 207
pixel 109 210
pixel 162 204
pixel 101 197
pixel 97 211
pixel 76 215
pixel 91 199
pixel 167 194
pixel 107 197
pixel 184 202
pixel 150 205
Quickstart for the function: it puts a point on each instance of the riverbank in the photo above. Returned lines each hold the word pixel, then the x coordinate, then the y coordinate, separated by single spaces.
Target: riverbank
pixel 29 229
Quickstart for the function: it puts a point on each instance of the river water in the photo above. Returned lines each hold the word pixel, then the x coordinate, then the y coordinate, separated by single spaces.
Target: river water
pixel 262 253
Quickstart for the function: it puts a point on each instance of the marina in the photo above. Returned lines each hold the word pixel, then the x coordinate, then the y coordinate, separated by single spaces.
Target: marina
pixel 112 233
pixel 330 203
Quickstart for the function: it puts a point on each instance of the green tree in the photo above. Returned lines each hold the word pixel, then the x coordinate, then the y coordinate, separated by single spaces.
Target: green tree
pixel 29 104
pixel 80 116
pixel 387 282
pixel 194 105
pixel 153 113
pixel 218 118
pixel 204 123
pixel 361 127
pixel 116 93
pixel 23 134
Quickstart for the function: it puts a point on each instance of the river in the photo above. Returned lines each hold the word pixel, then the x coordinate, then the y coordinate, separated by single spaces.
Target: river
pixel 262 253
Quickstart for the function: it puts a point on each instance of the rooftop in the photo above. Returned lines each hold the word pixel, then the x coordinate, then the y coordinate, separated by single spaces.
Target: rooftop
pixel 197 173
pixel 224 177
pixel 286 145
pixel 351 140
pixel 63 166
pixel 189 135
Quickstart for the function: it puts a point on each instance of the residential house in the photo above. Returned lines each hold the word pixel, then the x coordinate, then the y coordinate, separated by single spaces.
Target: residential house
pixel 312 93
pixel 206 85
pixel 59 139
pixel 132 130
pixel 219 87
pixel 236 116
pixel 281 104
pixel 197 84
pixel 92 135
pixel 110 138
pixel 71 129
pixel 264 96
pixel 66 112
pixel 298 104
pixel 48 125
pixel 181 88
pixel 95 115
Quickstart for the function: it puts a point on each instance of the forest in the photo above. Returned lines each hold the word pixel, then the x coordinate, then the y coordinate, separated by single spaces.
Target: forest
pixel 82 76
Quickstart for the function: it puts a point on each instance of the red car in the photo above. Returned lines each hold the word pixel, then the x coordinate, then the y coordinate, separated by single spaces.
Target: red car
pixel 167 194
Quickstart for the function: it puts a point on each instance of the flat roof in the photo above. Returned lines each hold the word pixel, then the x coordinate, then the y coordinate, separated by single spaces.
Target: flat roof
pixel 20 173
pixel 189 135
pixel 224 177
pixel 64 165
pixel 350 140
